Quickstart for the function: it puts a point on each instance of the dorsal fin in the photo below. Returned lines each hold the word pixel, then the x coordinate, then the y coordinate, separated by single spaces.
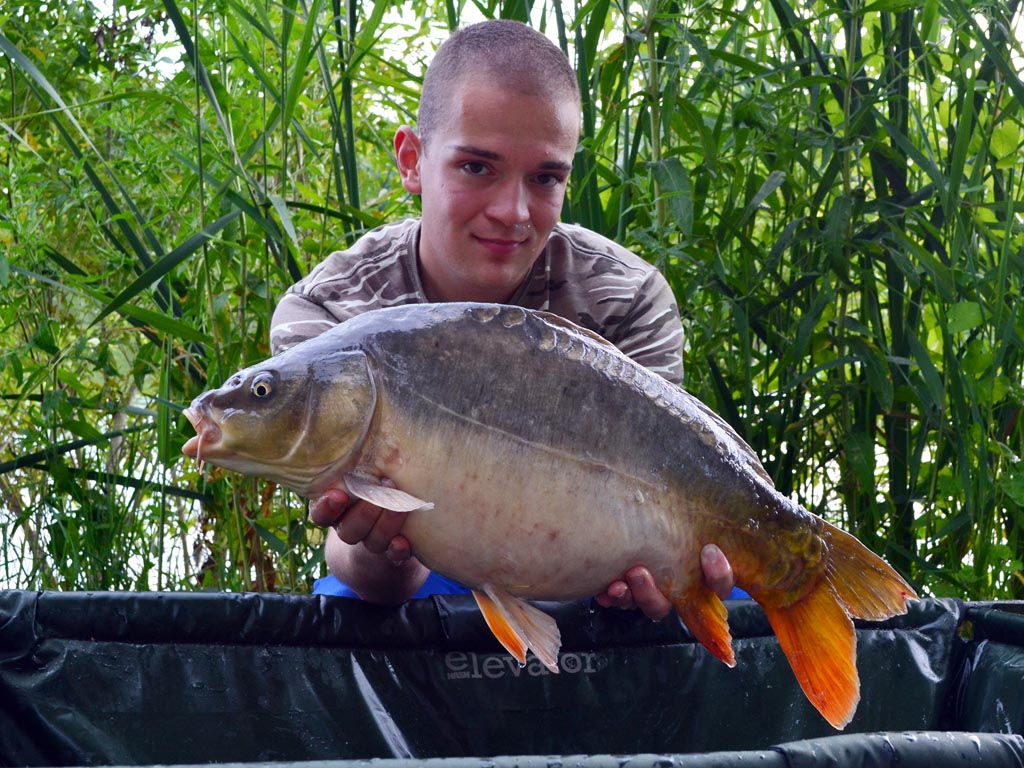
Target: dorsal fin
pixel 702 408
pixel 569 325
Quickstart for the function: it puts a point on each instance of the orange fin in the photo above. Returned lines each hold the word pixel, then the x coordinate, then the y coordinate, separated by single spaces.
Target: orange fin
pixel 705 616
pixel 865 584
pixel 520 627
pixel 819 640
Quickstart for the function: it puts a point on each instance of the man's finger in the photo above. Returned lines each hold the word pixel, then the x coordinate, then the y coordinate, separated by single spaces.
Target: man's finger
pixel 326 510
pixel 385 528
pixel 717 571
pixel 357 522
pixel 646 595
pixel 399 550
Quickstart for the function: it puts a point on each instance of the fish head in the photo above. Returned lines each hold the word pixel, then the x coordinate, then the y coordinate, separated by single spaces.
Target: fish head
pixel 298 419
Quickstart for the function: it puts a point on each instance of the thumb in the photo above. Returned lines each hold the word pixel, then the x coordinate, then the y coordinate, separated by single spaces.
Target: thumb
pixel 326 509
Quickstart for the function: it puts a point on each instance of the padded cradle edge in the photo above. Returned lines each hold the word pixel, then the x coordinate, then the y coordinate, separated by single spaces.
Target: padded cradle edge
pixel 183 678
pixel 924 749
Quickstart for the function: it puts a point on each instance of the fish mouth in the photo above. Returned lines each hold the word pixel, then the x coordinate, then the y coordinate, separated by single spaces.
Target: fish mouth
pixel 207 440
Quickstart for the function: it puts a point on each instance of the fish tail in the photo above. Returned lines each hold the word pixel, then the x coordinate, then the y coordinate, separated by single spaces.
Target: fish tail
pixel 819 640
pixel 705 616
pixel 865 584
pixel 815 631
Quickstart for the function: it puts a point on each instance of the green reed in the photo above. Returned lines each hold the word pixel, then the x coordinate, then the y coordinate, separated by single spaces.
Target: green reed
pixel 832 191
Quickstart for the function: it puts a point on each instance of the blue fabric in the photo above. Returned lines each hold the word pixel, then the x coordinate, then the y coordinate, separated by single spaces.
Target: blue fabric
pixel 436 584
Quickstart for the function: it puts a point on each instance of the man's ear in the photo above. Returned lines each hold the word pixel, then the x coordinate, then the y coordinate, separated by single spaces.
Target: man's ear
pixel 408 151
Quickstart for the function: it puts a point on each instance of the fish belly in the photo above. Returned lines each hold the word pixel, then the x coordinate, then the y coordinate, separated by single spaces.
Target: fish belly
pixel 539 524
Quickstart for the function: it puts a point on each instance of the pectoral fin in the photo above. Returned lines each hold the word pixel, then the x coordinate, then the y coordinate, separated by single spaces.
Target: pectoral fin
pixel 520 627
pixel 372 490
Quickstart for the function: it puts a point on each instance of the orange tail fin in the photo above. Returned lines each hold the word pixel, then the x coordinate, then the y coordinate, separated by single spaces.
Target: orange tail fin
pixel 816 633
pixel 818 639
pixel 865 584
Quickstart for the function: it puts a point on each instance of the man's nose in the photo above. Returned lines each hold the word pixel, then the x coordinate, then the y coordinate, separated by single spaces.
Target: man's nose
pixel 511 204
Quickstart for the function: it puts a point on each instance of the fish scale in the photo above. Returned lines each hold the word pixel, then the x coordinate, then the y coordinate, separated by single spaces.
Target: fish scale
pixel 568 346
pixel 536 461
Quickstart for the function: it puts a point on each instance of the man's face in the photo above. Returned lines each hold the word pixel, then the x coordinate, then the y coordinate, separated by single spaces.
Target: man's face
pixel 492 181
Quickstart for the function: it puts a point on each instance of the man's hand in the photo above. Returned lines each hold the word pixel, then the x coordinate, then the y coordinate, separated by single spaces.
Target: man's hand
pixel 638 590
pixel 366 550
pixel 379 530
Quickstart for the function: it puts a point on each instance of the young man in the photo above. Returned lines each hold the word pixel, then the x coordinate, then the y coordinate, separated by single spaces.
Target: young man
pixel 498 127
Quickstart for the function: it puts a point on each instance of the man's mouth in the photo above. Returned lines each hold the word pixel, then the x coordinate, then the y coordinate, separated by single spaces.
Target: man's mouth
pixel 500 244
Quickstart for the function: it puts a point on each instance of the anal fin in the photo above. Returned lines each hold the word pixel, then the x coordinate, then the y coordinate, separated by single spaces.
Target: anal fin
pixel 519 626
pixel 705 616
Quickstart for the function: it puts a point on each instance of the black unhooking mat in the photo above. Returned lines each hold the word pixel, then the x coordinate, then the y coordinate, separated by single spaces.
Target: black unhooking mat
pixel 159 678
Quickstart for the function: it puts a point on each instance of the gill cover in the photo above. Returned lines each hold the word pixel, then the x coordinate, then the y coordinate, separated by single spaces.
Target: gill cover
pixel 297 419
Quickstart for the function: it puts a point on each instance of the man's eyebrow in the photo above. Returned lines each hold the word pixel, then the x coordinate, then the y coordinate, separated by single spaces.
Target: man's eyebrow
pixel 469 150
pixel 549 165
pixel 556 165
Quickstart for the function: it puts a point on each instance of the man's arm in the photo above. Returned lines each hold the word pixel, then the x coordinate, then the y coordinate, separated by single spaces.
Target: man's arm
pixel 366 551
pixel 363 548
pixel 651 332
pixel 297 318
pixel 638 590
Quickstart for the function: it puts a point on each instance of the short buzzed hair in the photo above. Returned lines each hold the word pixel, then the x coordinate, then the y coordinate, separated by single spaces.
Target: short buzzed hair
pixel 511 54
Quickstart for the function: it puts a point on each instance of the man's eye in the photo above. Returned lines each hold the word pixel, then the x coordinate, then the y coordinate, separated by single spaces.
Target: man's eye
pixel 548 180
pixel 474 168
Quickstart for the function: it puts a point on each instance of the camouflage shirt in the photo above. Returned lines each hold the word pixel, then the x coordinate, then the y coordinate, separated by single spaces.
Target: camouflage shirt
pixel 579 275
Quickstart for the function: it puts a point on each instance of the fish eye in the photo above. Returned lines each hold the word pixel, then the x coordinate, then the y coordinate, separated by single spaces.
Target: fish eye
pixel 262 386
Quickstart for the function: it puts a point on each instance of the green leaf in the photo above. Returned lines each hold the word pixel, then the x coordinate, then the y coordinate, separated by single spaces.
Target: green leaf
pixel 44 338
pixel 174 328
pixel 276 544
pixel 675 188
pixel 166 264
pixel 859 456
pixel 890 6
pixel 964 316
pixel 775 180
pixel 84 430
pixel 281 208
pixel 933 393
pixel 1011 482
pixel 875 369
pixel 1005 140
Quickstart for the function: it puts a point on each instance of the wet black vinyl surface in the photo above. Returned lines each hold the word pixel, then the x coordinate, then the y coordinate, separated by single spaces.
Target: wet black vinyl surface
pixel 160 678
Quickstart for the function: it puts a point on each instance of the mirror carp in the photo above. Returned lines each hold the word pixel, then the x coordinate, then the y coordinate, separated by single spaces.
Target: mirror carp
pixel 536 461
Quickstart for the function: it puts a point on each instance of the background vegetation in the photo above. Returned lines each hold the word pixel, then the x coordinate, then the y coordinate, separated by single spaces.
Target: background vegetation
pixel 833 189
